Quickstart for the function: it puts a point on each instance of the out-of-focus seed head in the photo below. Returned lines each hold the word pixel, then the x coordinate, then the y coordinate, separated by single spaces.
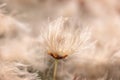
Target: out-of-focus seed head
pixel 16 71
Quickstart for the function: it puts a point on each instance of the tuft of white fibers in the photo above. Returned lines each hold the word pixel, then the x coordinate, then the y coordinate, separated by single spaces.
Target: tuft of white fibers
pixel 61 40
pixel 16 71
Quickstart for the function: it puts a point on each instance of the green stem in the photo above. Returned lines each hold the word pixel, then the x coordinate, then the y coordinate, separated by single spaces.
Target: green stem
pixel 55 69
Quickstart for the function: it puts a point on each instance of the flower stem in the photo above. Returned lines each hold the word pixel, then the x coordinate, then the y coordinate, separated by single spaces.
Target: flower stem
pixel 55 69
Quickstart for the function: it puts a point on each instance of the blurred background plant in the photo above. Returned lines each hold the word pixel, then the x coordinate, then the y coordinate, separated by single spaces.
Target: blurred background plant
pixel 26 38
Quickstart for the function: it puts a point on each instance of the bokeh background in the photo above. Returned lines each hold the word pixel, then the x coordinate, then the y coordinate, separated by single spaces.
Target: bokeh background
pixel 21 22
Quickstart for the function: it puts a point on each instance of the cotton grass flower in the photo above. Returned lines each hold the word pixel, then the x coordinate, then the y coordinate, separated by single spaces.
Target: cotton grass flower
pixel 60 40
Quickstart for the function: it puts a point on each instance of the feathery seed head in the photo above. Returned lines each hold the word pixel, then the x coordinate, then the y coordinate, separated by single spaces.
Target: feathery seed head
pixel 60 40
